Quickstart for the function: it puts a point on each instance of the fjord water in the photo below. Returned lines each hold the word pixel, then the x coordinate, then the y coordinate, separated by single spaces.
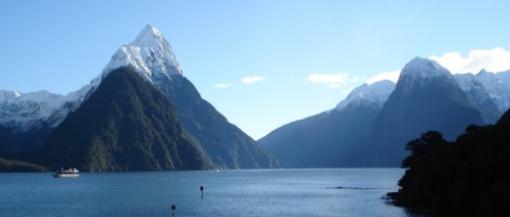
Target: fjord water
pixel 282 192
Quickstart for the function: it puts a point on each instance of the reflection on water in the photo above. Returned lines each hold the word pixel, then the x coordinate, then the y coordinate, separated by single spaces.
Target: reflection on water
pixel 296 192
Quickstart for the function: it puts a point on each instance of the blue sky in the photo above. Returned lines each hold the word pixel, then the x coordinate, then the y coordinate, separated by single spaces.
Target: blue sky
pixel 61 45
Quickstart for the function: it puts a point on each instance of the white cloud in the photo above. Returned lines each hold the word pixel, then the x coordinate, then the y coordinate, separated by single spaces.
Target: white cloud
pixel 222 85
pixel 493 60
pixel 392 76
pixel 332 80
pixel 252 79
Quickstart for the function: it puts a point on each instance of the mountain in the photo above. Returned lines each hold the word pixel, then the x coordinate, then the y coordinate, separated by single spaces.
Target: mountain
pixel 426 97
pixel 504 77
pixel 374 94
pixel 28 119
pixel 225 144
pixel 126 124
pixel 487 92
pixel 370 127
pixel 467 177
pixel 479 97
pixel 334 138
pixel 498 90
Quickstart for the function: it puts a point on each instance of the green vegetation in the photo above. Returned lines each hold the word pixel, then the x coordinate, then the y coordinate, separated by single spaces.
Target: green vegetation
pixel 224 143
pixel 468 177
pixel 125 125
pixel 128 124
pixel 19 166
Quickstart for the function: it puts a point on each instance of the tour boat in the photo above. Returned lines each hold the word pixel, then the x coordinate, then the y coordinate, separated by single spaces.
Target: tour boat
pixel 68 173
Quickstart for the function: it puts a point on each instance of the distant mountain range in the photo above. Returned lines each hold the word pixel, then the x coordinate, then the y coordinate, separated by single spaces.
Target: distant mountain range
pixel 141 113
pixel 372 125
pixel 487 92
pixel 334 137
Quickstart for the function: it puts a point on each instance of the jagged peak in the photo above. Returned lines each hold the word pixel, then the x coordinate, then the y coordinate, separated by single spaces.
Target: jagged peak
pixel 419 71
pixel 149 54
pixel 149 35
pixel 40 95
pixel 377 93
pixel 423 67
pixel 486 74
pixel 483 71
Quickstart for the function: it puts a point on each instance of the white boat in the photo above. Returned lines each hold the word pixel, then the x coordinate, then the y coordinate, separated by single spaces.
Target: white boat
pixel 68 173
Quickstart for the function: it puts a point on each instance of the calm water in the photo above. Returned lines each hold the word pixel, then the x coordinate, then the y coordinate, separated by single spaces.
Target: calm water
pixel 300 192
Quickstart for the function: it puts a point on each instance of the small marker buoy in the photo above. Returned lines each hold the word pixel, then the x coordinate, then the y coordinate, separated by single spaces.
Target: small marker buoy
pixel 201 192
pixel 173 207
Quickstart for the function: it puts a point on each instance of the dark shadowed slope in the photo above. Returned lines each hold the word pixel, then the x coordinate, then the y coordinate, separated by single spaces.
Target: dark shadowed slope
pixel 329 139
pixel 13 141
pixel 19 166
pixel 336 138
pixel 225 144
pixel 151 57
pixel 126 124
pixel 426 97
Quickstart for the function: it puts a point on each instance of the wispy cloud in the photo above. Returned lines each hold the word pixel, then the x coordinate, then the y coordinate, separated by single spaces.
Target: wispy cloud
pixel 222 85
pixel 392 76
pixel 252 79
pixel 493 60
pixel 333 80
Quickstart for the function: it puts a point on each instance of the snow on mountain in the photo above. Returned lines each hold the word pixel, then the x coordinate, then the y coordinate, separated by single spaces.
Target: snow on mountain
pixel 422 67
pixel 505 77
pixel 7 96
pixel 419 70
pixel 376 94
pixel 478 96
pixel 150 55
pixel 468 81
pixel 497 90
pixel 490 83
pixel 25 111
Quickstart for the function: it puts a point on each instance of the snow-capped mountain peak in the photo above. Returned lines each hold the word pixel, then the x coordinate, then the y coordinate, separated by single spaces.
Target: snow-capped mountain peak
pixel 149 37
pixel 496 89
pixel 25 111
pixel 422 67
pixel 419 71
pixel 149 54
pixel 487 91
pixel 376 94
